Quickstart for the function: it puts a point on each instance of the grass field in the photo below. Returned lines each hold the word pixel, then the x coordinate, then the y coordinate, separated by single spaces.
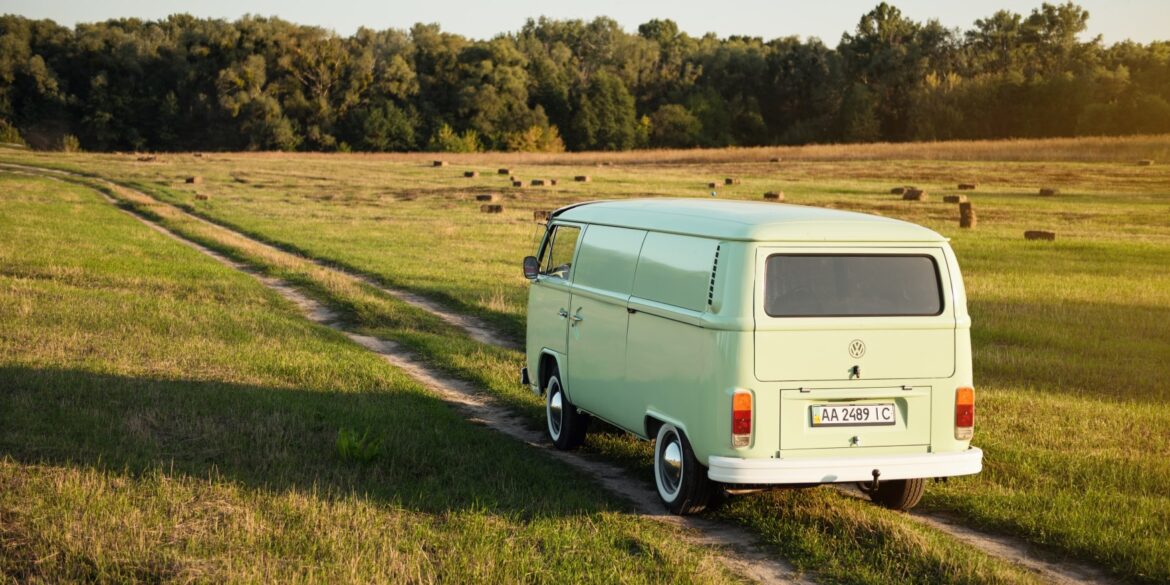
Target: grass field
pixel 164 418
pixel 1068 335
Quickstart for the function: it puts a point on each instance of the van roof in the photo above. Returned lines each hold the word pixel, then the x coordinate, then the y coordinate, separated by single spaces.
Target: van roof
pixel 746 220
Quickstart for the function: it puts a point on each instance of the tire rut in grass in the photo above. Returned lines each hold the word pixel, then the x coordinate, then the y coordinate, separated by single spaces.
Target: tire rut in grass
pixel 737 548
pixel 1014 550
pixel 474 327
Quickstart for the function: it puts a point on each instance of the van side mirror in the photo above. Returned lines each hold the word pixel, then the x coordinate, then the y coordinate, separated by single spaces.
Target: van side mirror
pixel 531 267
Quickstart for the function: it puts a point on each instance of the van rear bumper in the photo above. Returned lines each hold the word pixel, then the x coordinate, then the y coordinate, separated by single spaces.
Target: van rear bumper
pixel 844 469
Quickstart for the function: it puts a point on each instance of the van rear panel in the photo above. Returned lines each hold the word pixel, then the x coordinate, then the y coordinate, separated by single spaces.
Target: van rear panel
pixel 854 339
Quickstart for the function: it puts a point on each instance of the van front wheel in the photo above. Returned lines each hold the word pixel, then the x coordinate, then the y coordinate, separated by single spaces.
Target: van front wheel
pixel 682 482
pixel 898 494
pixel 566 426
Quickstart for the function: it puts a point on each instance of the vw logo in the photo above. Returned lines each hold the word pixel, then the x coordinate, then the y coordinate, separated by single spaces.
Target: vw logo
pixel 856 348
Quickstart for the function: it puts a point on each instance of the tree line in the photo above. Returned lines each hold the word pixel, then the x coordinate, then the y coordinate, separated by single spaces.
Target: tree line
pixel 187 83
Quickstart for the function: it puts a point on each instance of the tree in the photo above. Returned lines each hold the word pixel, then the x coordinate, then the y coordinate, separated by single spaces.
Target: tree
pixel 605 118
pixel 244 94
pixel 672 126
pixel 381 128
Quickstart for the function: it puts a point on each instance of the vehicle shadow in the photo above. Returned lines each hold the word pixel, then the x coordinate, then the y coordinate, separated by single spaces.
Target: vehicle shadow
pixel 429 458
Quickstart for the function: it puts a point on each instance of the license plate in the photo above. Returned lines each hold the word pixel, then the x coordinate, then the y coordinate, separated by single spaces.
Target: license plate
pixel 853 415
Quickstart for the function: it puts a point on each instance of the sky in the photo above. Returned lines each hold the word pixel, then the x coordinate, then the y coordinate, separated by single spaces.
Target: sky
pixel 1115 20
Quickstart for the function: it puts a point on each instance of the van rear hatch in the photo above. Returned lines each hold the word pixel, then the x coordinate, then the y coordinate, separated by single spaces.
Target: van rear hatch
pixel 853 314
pixel 846 331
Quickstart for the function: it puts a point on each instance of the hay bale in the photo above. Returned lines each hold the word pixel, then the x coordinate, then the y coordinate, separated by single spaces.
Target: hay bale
pixel 539 182
pixel 439 163
pixel 966 186
pixel 966 215
pixel 1040 235
pixel 774 196
pixel 491 208
pixel 914 195
pixel 1049 192
pixel 194 180
pixel 552 182
pixel 582 178
pixel 517 183
pixel 147 158
pixel 954 198
pixel 775 159
pixel 471 174
pixel 202 197
pixel 712 185
pixel 197 154
pixel 897 190
pixel 730 181
pixel 503 172
pixel 1145 163
pixel 488 197
pixel 541 215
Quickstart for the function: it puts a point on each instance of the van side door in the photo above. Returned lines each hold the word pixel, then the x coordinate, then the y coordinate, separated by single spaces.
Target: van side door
pixel 602 282
pixel 548 297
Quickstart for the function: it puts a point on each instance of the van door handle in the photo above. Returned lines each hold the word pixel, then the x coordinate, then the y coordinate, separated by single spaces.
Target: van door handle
pixel 575 319
pixel 563 313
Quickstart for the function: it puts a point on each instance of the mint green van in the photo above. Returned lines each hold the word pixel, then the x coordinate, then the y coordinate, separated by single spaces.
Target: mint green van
pixel 758 344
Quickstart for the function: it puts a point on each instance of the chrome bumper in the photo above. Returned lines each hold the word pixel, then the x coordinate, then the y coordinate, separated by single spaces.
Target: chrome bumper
pixel 844 469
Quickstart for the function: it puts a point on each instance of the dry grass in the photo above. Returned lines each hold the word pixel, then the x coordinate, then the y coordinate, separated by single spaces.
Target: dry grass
pixel 1124 149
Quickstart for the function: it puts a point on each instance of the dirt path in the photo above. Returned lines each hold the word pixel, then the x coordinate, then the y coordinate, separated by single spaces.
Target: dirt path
pixel 1015 550
pixel 747 559
pixel 736 548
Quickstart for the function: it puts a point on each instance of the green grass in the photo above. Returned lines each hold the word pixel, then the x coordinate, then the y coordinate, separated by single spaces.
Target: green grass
pixel 1068 336
pixel 165 418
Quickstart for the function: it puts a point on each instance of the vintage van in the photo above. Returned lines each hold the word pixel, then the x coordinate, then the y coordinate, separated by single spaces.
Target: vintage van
pixel 759 344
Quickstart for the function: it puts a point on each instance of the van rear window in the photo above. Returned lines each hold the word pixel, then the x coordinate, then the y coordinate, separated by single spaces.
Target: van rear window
pixel 841 285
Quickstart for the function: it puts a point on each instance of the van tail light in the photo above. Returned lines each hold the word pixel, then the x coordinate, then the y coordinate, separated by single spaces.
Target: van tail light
pixel 741 418
pixel 964 413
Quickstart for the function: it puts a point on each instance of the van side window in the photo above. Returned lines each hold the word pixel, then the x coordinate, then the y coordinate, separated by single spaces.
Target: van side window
pixel 558 254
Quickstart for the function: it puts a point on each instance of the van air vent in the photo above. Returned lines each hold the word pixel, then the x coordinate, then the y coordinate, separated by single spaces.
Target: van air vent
pixel 714 269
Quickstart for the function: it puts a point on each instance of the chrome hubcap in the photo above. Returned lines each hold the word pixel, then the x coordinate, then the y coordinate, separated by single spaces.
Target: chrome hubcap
pixel 671 468
pixel 555 408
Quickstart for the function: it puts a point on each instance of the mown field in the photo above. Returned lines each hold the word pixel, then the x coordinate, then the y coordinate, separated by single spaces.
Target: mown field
pixel 1069 335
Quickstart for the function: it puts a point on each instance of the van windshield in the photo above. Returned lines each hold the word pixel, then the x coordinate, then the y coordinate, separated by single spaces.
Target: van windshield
pixel 842 285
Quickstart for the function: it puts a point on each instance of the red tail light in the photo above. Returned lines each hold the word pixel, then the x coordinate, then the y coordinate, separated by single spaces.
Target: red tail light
pixel 741 418
pixel 964 413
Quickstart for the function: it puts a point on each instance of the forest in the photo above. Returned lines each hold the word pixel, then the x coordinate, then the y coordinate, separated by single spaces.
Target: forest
pixel 187 83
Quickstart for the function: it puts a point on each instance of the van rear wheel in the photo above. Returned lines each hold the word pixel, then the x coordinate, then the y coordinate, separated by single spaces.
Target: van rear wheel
pixel 566 426
pixel 682 482
pixel 898 494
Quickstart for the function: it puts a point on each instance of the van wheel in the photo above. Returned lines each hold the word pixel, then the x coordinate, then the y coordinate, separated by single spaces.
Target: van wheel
pixel 682 482
pixel 898 494
pixel 566 426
